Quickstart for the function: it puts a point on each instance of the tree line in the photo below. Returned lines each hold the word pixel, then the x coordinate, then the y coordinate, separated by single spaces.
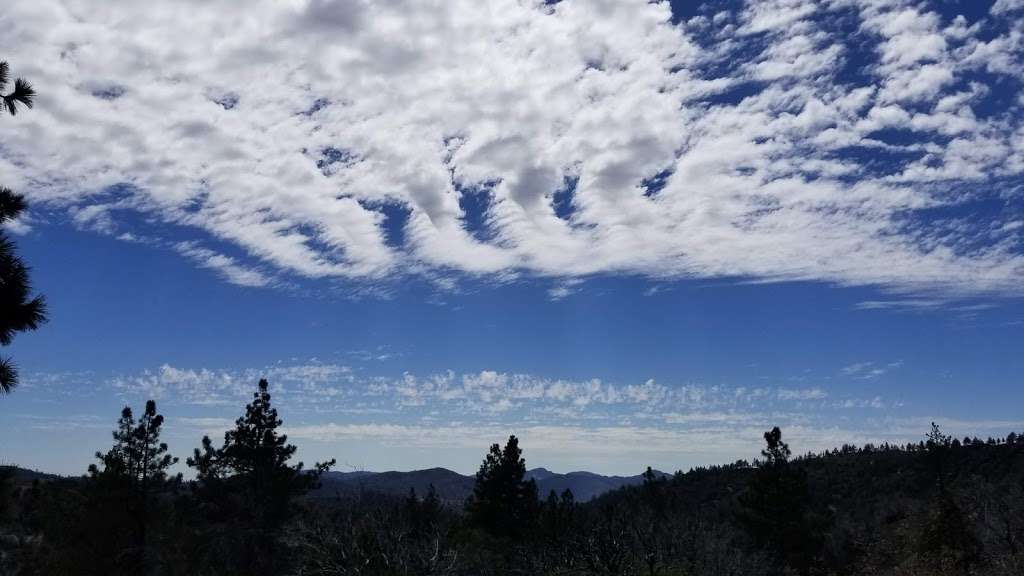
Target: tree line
pixel 937 507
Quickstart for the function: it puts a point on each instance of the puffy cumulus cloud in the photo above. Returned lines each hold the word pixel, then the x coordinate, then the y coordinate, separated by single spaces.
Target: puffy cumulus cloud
pixel 369 139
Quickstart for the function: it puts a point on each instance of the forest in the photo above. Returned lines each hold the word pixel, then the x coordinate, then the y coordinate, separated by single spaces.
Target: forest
pixel 941 506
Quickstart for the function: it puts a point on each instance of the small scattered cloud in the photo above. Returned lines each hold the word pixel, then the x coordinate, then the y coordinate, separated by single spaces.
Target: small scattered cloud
pixel 802 394
pixel 564 289
pixel 869 370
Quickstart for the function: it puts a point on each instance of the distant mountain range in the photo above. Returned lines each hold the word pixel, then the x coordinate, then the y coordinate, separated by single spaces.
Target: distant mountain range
pixel 453 487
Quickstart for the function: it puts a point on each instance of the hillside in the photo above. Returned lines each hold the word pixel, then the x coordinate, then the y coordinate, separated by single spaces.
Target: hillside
pixel 25 476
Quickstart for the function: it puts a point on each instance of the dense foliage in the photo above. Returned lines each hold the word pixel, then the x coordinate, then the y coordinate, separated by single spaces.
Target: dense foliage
pixel 21 310
pixel 938 507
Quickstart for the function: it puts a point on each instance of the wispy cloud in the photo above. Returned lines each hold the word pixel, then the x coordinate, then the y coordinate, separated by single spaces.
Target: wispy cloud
pixel 225 265
pixel 563 289
pixel 869 370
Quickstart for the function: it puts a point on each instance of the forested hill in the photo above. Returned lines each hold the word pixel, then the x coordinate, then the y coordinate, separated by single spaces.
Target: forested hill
pixel 869 473
pixel 938 507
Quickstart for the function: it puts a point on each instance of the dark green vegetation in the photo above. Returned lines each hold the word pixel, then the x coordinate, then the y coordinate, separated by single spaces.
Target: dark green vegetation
pixel 21 311
pixel 938 507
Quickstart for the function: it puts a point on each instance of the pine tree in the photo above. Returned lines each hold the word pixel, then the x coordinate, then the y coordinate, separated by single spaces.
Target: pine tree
pixel 424 514
pixel 653 490
pixel 557 515
pixel 21 311
pixel 22 94
pixel 938 445
pixel 777 452
pixel 137 457
pixel 6 492
pixel 132 472
pixel 250 481
pixel 503 503
pixel 775 507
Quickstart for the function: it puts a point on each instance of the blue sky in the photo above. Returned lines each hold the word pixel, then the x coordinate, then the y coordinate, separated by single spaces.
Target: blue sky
pixel 634 234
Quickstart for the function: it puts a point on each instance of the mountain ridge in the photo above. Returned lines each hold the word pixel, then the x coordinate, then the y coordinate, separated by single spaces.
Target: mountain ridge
pixel 453 487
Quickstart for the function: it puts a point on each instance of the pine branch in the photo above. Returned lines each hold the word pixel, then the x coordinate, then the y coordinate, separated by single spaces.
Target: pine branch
pixel 23 93
pixel 8 376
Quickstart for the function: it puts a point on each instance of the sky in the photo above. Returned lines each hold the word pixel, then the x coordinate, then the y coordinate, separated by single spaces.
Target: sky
pixel 632 233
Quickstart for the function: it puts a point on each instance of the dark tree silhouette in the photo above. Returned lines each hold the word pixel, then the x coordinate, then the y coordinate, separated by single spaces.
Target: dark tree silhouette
pixel 138 457
pixel 22 94
pixel 774 509
pixel 776 453
pixel 249 481
pixel 503 503
pixel 20 311
pixel 424 514
pixel 129 476
pixel 938 444
pixel 558 541
pixel 6 490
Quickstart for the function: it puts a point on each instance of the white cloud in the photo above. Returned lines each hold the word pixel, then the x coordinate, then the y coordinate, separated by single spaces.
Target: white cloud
pixel 564 289
pixel 20 226
pixel 449 419
pixel 802 394
pixel 1003 6
pixel 283 129
pixel 311 382
pixel 226 265
pixel 319 390
pixel 868 371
